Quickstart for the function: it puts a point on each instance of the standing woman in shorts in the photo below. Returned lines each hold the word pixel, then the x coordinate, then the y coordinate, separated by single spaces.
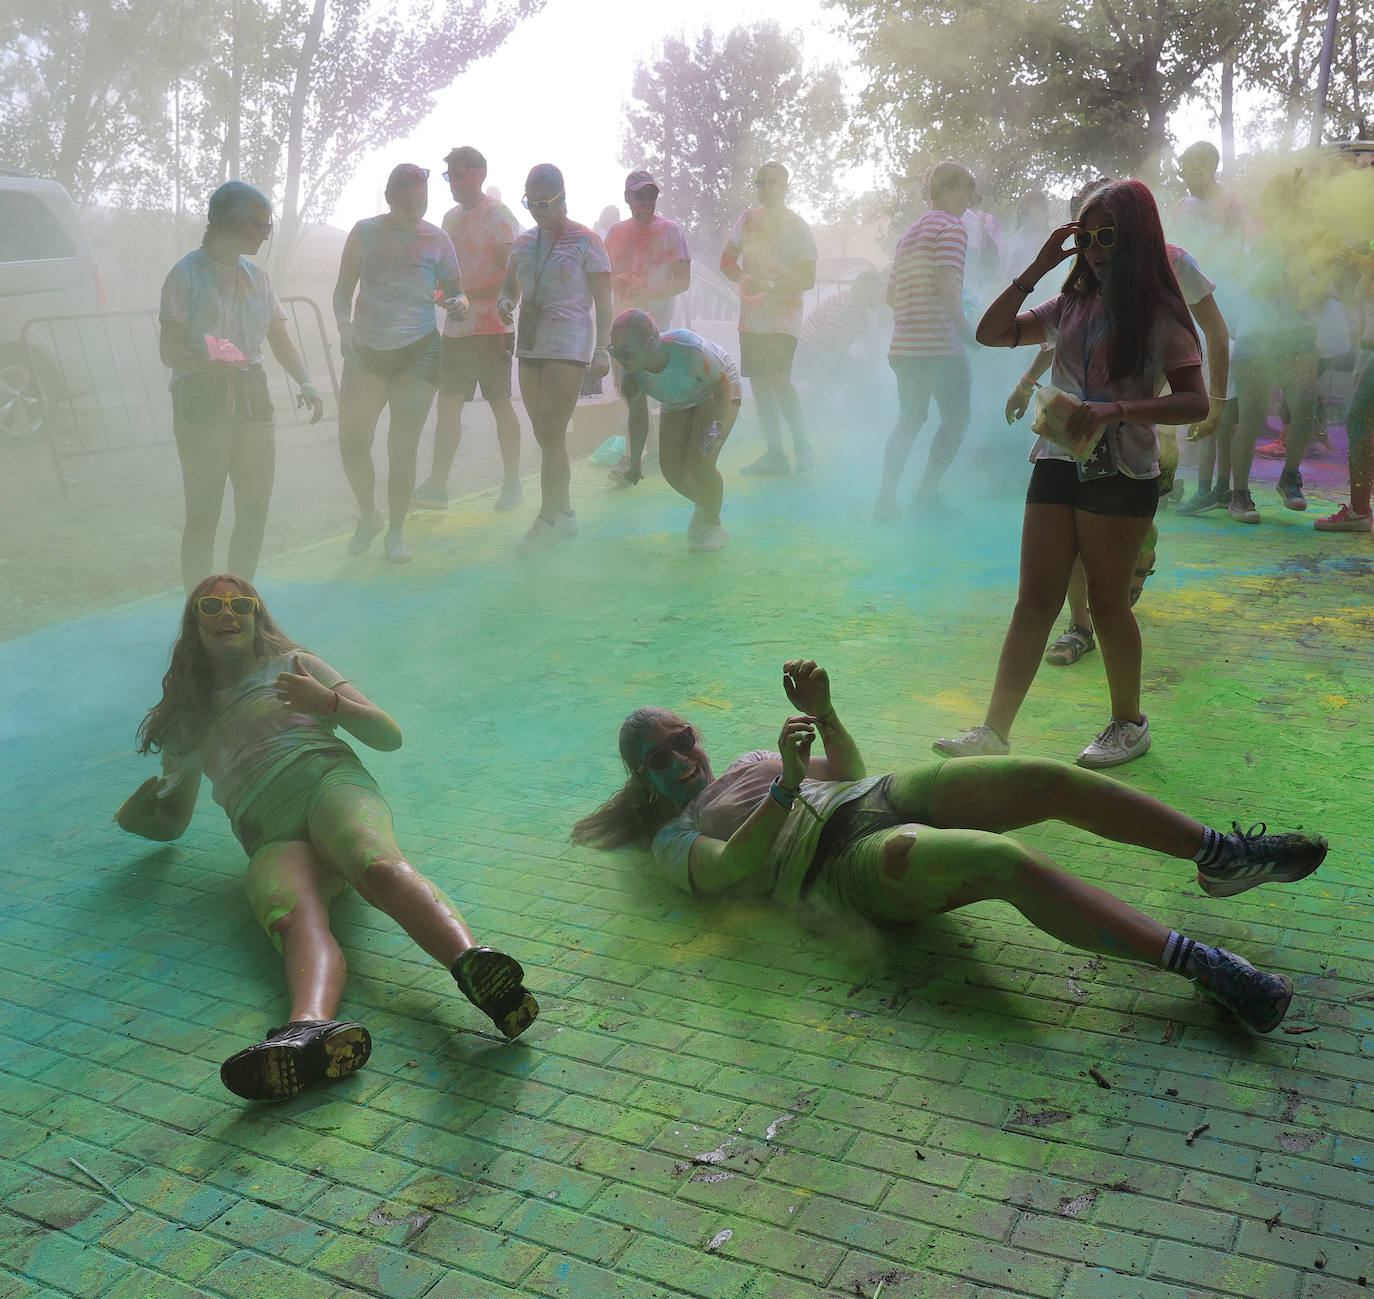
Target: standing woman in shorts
pixel 248 707
pixel 1120 329
pixel 395 262
pixel 560 276
pixel 221 412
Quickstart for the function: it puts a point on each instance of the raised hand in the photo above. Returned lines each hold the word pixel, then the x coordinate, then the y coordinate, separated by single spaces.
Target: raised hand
pixel 301 693
pixel 807 686
pixel 798 735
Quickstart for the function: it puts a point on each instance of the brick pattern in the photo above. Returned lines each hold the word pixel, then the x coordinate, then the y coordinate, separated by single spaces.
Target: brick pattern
pixel 718 1101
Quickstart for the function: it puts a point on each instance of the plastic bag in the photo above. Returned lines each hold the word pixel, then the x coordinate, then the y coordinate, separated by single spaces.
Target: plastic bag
pixel 1053 407
pixel 610 452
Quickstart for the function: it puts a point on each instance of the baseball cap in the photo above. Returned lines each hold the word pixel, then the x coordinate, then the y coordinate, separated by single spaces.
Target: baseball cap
pixel 638 180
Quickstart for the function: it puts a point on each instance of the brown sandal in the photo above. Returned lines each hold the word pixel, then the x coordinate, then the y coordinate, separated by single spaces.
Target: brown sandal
pixel 1071 646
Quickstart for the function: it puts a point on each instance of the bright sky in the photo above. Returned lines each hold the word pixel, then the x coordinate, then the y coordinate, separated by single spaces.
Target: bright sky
pixel 532 102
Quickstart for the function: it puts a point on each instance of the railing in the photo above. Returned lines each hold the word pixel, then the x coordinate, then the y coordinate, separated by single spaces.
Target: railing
pixel 104 388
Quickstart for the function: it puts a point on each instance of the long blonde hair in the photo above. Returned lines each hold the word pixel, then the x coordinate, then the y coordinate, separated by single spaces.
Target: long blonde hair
pixel 636 811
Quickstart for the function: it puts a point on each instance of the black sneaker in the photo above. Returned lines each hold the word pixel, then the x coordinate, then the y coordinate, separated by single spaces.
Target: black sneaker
pixel 1257 999
pixel 1289 487
pixel 494 983
pixel 1253 858
pixel 1202 501
pixel 296 1056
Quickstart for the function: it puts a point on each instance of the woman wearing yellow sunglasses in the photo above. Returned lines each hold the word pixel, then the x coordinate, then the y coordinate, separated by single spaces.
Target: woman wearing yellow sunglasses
pixel 244 704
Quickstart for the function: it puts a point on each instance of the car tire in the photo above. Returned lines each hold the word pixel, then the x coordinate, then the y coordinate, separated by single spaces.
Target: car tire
pixel 23 415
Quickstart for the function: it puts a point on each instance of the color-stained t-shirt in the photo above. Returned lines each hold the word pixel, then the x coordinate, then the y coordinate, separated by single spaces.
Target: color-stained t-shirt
pixel 1077 330
pixel 553 276
pixel 727 802
pixel 398 272
pixel 476 234
pixel 938 241
pixel 234 302
pixel 649 251
pixel 252 735
pixel 772 240
pixel 1195 286
pixel 835 325
pixel 695 366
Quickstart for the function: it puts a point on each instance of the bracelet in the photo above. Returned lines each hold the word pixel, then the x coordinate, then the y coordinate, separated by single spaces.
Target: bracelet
pixel 1016 336
pixel 1018 285
pixel 1027 382
pixel 1211 396
pixel 826 719
pixel 782 796
pixel 334 707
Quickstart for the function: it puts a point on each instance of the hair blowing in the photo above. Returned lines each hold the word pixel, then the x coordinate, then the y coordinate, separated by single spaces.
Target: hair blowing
pixel 1141 284
pixel 636 811
pixel 177 722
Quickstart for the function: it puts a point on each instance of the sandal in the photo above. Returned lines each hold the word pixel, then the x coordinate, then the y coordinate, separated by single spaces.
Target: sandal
pixel 1145 565
pixel 1071 646
pixel 296 1056
pixel 494 983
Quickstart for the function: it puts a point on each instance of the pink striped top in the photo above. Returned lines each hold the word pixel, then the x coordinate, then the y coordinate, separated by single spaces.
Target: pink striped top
pixel 937 240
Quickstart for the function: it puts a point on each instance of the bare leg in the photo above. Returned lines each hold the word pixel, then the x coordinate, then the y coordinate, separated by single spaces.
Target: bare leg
pixel 674 442
pixel 448 432
pixel 1080 614
pixel 952 385
pixel 913 405
pixel 789 403
pixel 1298 378
pixel 1252 400
pixel 507 435
pixel 1001 794
pixel 710 486
pixel 1110 547
pixel 252 468
pixel 290 889
pixel 409 399
pixel 351 829
pixel 362 398
pixel 550 390
pixel 204 451
pixel 1049 544
pixel 770 417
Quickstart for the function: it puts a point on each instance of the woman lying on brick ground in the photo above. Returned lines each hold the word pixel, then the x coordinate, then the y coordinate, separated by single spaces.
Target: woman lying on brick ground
pixel 249 707
pixel 929 839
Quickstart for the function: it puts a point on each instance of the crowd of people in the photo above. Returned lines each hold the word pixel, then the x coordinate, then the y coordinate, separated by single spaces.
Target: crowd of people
pixel 1140 338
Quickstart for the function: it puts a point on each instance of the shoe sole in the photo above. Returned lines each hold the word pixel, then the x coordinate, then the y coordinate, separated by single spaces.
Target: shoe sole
pixel 1101 764
pixel 494 982
pixel 398 559
pixel 1240 518
pixel 416 504
pixel 1224 888
pixel 277 1072
pixel 1281 1008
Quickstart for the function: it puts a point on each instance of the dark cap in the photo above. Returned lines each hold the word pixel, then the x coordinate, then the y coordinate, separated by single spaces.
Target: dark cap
pixel 405 175
pixel 638 180
pixel 465 158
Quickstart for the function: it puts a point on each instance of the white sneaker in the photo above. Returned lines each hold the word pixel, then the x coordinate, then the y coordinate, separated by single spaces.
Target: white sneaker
pixel 1121 742
pixel 713 537
pixel 544 533
pixel 395 546
pixel 512 495
pixel 979 742
pixel 806 459
pixel 697 525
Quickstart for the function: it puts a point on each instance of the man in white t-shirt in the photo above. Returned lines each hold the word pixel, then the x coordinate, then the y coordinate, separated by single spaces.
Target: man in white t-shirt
pixel 650 267
pixel 479 349
pixel 771 255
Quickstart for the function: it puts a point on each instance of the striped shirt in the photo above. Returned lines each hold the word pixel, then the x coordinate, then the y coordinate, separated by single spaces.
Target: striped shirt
pixel 937 241
pixel 834 325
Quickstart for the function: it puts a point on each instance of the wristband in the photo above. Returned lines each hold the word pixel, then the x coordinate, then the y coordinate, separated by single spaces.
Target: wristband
pixel 1027 382
pixel 781 796
pixel 826 719
pixel 334 707
pixel 1025 291
pixel 309 387
pixel 1211 396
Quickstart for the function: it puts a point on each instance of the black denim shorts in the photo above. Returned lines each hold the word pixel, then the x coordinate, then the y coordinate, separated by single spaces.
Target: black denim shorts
pixel 1056 482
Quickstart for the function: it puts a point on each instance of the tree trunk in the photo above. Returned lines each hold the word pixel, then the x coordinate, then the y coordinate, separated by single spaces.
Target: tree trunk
pixel 1296 96
pixel 234 133
pixel 76 124
pixel 292 226
pixel 1228 118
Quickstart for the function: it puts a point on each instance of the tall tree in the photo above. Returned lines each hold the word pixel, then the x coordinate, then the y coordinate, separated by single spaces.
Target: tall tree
pixel 703 115
pixel 1032 91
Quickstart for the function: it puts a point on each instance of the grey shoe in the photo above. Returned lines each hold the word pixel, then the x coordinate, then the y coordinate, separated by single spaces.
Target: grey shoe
pixel 1257 999
pixel 1289 487
pixel 1120 742
pixel 1256 857
pixel 369 525
pixel 1242 507
pixel 512 495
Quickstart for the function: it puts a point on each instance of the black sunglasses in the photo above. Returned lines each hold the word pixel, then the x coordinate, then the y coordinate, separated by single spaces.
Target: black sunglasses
pixel 658 759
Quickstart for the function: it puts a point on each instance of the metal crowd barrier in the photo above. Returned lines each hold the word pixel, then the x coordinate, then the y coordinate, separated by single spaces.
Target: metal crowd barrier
pixel 104 388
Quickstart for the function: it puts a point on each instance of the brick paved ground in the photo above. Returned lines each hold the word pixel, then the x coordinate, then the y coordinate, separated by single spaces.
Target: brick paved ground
pixel 717 1101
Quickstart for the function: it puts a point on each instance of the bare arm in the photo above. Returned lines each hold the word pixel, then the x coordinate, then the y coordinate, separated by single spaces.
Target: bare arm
pixel 949 289
pixel 681 279
pixel 350 268
pixel 301 691
pixel 729 262
pixel 1214 330
pixel 1003 323
pixel 161 819
pixel 284 349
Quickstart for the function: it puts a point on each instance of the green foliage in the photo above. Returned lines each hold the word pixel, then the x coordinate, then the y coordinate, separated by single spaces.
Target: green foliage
pixel 144 102
pixel 704 115
pixel 1033 91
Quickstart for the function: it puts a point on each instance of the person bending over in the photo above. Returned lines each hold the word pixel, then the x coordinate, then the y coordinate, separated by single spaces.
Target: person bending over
pixel 899 847
pixel 698 388
pixel 247 706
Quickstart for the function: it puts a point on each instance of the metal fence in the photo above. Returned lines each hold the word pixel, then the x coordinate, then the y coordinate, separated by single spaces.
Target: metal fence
pixel 104 387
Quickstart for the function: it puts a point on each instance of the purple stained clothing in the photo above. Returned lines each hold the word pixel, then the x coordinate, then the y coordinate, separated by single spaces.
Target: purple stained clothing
pixel 399 270
pixel 552 273
pixel 235 302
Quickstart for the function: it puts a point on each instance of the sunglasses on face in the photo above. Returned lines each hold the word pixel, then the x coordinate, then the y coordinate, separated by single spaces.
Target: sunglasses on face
pixel 1103 237
pixel 538 205
pixel 658 759
pixel 462 171
pixel 211 606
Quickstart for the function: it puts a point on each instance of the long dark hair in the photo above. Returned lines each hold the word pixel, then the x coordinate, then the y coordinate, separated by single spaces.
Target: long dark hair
pixel 636 811
pixel 1141 280
pixel 178 720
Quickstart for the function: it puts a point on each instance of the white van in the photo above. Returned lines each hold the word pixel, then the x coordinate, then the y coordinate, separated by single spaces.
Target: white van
pixel 47 268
